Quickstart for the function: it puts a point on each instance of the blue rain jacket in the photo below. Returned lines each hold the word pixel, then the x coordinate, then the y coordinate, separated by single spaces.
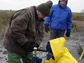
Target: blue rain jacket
pixel 60 17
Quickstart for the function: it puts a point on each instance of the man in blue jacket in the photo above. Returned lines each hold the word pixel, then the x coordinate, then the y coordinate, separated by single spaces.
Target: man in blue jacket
pixel 60 19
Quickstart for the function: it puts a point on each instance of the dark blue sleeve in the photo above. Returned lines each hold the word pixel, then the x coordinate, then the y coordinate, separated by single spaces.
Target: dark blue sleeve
pixel 69 24
pixel 36 60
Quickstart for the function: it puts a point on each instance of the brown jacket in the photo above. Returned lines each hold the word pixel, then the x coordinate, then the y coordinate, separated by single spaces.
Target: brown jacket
pixel 24 26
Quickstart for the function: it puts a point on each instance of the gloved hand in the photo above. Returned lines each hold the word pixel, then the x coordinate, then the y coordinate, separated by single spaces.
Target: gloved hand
pixel 68 33
pixel 29 46
pixel 47 27
pixel 36 59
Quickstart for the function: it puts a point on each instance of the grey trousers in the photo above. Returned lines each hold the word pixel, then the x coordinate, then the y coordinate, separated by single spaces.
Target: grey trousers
pixel 53 35
pixel 56 34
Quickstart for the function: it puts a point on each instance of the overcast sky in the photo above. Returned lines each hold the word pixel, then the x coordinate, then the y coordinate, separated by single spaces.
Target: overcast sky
pixel 75 5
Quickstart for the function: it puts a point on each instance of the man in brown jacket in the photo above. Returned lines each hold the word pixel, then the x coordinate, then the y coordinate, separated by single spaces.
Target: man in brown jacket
pixel 25 31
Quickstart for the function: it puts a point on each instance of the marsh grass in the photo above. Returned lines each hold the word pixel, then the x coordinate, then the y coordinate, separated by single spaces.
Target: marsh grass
pixel 4 19
pixel 78 16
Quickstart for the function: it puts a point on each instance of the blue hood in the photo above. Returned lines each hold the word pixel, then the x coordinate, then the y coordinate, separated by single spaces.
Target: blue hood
pixel 66 1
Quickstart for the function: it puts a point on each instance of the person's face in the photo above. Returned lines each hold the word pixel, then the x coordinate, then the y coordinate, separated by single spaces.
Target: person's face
pixel 62 3
pixel 51 55
pixel 40 16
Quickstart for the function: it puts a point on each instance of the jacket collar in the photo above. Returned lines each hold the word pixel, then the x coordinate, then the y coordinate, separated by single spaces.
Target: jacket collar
pixel 36 15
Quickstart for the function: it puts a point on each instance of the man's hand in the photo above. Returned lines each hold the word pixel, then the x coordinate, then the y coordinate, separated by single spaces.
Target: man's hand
pixel 47 27
pixel 68 33
pixel 29 46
